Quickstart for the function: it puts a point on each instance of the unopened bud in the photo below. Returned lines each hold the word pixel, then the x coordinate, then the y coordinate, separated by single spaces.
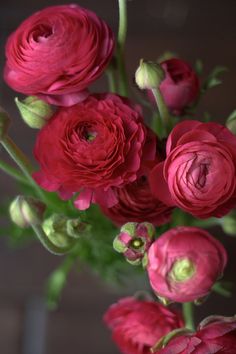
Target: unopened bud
pixel 35 112
pixel 134 240
pixel 4 123
pixel 149 75
pixel 62 231
pixel 231 122
pixel 228 224
pixel 26 211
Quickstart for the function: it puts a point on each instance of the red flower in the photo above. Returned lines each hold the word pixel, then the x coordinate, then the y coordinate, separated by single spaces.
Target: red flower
pixel 199 172
pixel 137 203
pixel 184 263
pixel 215 334
pixel 92 147
pixel 180 87
pixel 57 52
pixel 137 325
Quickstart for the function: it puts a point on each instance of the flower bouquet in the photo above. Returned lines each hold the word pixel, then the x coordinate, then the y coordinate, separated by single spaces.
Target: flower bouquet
pixel 127 179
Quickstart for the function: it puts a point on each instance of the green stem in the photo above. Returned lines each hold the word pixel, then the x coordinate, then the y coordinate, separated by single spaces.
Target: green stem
pixel 163 110
pixel 58 278
pixel 188 312
pixel 13 172
pixel 122 31
pixel 219 289
pixel 23 163
pixel 48 244
pixel 111 79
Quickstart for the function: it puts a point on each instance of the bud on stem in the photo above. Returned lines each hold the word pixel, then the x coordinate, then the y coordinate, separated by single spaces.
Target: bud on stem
pixel 34 112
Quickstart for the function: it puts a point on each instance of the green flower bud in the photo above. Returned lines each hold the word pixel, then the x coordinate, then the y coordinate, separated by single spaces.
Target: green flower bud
pixel 63 232
pixel 4 123
pixel 149 75
pixel 34 111
pixel 228 224
pixel 231 122
pixel 26 211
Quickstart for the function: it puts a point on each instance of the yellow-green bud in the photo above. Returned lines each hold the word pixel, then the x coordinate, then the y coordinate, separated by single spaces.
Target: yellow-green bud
pixel 26 211
pixel 149 75
pixel 4 123
pixel 228 224
pixel 63 232
pixel 231 122
pixel 34 111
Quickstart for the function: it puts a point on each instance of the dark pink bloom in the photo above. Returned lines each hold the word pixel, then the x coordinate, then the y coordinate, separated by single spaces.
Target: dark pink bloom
pixel 199 173
pixel 137 325
pixel 180 87
pixel 57 53
pixel 92 147
pixel 184 263
pixel 214 335
pixel 137 203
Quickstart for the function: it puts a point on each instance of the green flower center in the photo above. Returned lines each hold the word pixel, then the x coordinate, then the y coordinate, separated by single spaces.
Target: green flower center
pixel 136 243
pixel 182 270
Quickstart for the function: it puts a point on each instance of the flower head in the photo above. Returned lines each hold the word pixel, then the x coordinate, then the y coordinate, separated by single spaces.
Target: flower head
pixel 95 146
pixel 199 173
pixel 184 263
pixel 57 53
pixel 137 325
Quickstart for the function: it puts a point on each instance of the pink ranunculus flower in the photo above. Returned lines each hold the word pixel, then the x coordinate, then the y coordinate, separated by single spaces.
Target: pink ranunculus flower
pixel 92 147
pixel 137 203
pixel 181 87
pixel 184 263
pixel 57 53
pixel 216 334
pixel 137 325
pixel 199 173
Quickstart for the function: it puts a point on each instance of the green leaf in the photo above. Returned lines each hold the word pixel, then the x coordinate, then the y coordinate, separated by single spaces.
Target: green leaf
pixel 199 67
pixel 213 78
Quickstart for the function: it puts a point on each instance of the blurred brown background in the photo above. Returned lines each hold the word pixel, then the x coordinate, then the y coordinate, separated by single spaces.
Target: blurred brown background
pixel 192 28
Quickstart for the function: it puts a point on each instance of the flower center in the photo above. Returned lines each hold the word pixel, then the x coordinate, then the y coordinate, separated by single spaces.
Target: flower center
pixel 42 32
pixel 87 133
pixel 197 173
pixel 182 270
pixel 136 243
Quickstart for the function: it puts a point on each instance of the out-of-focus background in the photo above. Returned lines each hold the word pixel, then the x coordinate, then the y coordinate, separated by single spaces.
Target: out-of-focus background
pixel 195 30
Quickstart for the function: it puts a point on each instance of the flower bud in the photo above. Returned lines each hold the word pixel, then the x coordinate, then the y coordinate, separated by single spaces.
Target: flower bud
pixel 4 123
pixel 231 122
pixel 63 232
pixel 26 211
pixel 34 111
pixel 149 75
pixel 228 224
pixel 134 240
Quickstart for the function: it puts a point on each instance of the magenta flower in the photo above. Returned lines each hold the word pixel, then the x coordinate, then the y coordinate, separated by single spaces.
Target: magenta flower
pixel 215 334
pixel 137 203
pixel 94 146
pixel 199 173
pixel 57 53
pixel 180 86
pixel 137 325
pixel 184 263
